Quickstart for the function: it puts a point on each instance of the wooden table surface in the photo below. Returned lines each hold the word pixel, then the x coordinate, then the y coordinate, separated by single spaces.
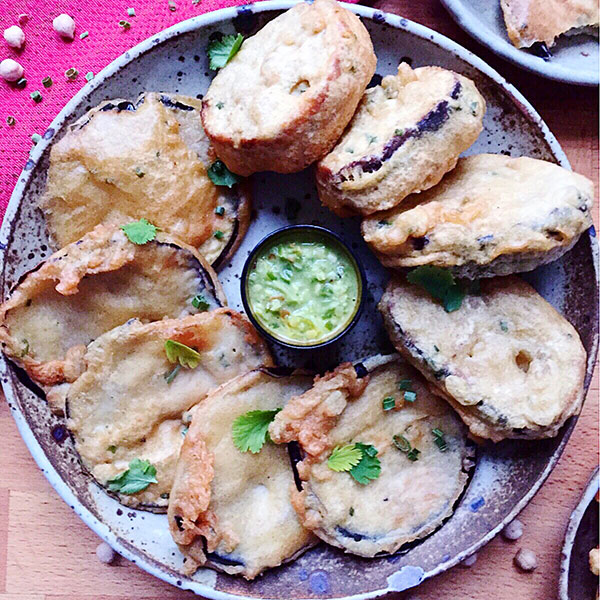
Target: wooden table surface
pixel 47 553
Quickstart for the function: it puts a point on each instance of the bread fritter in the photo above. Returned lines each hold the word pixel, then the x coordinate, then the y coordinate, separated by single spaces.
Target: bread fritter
pixel 507 361
pixel 531 21
pixel 492 215
pixel 286 96
pixel 230 510
pixel 123 406
pixel 410 498
pixel 406 134
pixel 123 161
pixel 91 286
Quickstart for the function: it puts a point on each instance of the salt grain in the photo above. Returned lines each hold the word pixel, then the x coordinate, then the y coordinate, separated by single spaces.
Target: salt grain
pixel 105 553
pixel 526 560
pixel 513 531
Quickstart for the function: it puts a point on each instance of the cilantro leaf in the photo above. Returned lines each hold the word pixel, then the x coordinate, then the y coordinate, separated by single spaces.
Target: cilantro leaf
pixel 388 403
pixel 343 458
pixel 219 174
pixel 250 430
pixel 439 439
pixel 178 352
pixel 220 52
pixel 140 232
pixel 369 466
pixel 440 284
pixel 200 302
pixel 135 479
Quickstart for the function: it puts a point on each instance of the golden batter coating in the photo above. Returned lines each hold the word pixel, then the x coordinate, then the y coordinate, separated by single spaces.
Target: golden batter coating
pixel 406 134
pixel 410 498
pixel 507 361
pixel 531 21
pixel 123 161
pixel 123 406
pixel 91 286
pixel 230 510
pixel 284 99
pixel 492 215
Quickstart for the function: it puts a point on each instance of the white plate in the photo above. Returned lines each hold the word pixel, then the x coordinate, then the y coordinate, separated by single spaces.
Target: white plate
pixel 575 59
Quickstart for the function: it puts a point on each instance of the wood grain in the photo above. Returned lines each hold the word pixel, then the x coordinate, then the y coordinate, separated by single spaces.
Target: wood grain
pixel 47 553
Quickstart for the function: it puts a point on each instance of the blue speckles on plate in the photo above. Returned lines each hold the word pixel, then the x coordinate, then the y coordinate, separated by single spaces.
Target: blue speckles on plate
pixel 406 578
pixel 477 504
pixel 319 582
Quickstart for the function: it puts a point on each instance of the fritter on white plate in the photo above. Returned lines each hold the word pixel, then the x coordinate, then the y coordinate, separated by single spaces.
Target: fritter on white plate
pixel 492 215
pixel 230 510
pixel 506 360
pixel 126 160
pixel 130 403
pixel 406 134
pixel 284 99
pixel 531 21
pixel 411 472
pixel 91 286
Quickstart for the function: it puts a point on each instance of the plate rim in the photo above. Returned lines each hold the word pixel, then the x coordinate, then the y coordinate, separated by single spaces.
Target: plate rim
pixel 226 14
pixel 518 57
pixel 587 496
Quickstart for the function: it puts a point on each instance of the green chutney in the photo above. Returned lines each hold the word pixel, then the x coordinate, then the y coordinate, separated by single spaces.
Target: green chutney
pixel 303 289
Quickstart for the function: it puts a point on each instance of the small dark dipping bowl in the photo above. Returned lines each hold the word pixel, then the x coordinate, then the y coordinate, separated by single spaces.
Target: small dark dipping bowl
pixel 303 233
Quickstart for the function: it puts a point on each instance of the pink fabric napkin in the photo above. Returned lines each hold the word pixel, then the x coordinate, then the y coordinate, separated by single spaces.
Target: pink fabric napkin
pixel 47 55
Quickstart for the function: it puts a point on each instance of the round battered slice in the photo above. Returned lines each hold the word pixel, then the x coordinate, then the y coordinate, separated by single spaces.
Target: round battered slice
pixel 510 365
pixel 286 96
pixel 406 134
pixel 131 401
pixel 531 21
pixel 419 457
pixel 492 215
pixel 125 160
pixel 91 286
pixel 231 510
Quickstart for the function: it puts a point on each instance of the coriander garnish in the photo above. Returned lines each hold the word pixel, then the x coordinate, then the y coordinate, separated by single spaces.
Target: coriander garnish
pixel 343 458
pixel 220 105
pixel 405 446
pixel 140 172
pixel 200 302
pixel 36 96
pixel 47 82
pixel 140 232
pixel 170 375
pixel 131 12
pixel 250 430
pixel 410 396
pixel 405 385
pixel 25 350
pixel 71 73
pixel 124 24
pixel 172 6
pixel 218 234
pixel 219 174
pixel 439 439
pixel 440 284
pixel 220 52
pixel 36 137
pixel 136 478
pixel 11 121
pixel 112 449
pixel 21 83
pixel 89 76
pixel 83 35
pixel 388 403
pixel 178 352
pixel 220 211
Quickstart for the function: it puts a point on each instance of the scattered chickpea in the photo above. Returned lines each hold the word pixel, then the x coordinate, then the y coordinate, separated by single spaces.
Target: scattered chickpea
pixel 14 36
pixel 11 70
pixel 64 25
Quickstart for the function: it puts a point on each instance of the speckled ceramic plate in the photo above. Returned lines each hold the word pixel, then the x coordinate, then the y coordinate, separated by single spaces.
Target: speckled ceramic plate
pixel 506 475
pixel 575 59
pixel 577 582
